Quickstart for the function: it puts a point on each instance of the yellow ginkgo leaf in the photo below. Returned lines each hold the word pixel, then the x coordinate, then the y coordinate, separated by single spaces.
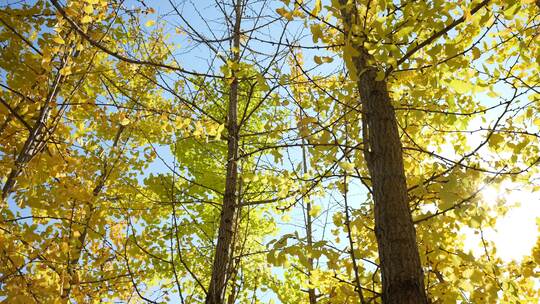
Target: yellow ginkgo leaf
pixel 88 9
pixel 219 130
pixel 59 40
pixel 125 121
pixel 476 53
pixel 317 8
pixel 150 23
pixel 86 19
pixel 315 210
pixel 460 86
pixel 322 59
pixel 285 13
pixel 347 166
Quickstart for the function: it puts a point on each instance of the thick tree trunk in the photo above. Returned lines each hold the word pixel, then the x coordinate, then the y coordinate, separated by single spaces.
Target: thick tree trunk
pixel 218 281
pixel 402 276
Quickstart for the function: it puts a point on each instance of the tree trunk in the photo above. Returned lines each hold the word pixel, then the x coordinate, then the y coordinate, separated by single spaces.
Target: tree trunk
pixel 309 233
pixel 402 276
pixel 219 278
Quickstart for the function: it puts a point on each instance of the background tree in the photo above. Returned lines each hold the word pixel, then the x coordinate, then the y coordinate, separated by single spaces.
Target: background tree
pixel 68 160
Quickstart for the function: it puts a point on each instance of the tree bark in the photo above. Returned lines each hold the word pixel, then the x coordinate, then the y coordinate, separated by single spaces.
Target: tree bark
pixel 219 278
pixel 402 276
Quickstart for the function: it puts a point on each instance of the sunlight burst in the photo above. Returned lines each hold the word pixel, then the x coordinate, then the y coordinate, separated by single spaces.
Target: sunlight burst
pixel 515 233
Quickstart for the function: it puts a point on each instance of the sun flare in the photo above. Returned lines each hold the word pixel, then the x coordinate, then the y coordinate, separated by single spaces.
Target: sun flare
pixel 514 234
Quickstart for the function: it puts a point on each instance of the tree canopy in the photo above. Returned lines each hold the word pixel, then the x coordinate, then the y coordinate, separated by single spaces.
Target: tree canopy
pixel 256 151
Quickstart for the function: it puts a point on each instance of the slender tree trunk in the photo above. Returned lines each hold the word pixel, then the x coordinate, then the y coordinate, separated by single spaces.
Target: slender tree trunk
pixel 402 276
pixel 219 278
pixel 309 232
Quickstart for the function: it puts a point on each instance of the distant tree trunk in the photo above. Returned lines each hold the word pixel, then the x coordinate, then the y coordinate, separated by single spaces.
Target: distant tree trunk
pixel 309 232
pixel 357 282
pixel 402 276
pixel 219 278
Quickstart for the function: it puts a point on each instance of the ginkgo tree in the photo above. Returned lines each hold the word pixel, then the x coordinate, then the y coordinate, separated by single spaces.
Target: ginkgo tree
pixel 118 105
pixel 66 153
pixel 258 151
pixel 416 67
